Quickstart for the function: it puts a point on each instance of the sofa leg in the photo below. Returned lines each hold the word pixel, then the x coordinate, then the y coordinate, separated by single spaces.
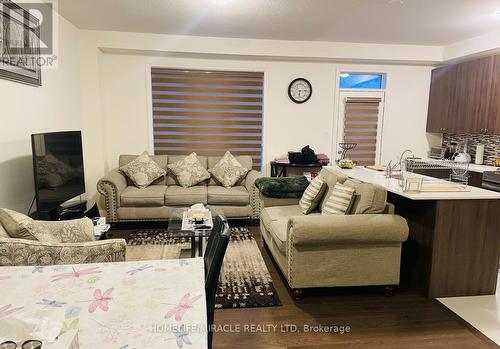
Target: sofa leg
pixel 298 294
pixel 389 290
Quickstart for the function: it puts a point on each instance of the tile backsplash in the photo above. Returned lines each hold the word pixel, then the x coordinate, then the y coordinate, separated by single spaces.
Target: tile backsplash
pixel 491 144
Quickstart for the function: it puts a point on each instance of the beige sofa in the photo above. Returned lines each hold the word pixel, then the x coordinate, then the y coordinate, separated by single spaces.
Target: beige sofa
pixel 52 243
pixel 336 250
pixel 125 202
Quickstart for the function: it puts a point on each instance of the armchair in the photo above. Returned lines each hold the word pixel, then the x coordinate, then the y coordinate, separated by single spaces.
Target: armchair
pixel 24 241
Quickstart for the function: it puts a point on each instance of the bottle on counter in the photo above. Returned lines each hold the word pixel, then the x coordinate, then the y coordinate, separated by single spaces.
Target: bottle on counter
pixel 479 154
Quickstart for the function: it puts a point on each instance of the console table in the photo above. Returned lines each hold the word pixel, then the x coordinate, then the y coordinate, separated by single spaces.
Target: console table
pixel 279 169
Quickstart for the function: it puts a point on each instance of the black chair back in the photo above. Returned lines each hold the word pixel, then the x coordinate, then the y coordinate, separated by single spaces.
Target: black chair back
pixel 214 256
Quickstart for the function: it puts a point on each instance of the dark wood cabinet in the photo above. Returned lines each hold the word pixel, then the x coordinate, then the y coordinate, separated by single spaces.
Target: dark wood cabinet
pixel 494 105
pixel 465 97
pixel 442 97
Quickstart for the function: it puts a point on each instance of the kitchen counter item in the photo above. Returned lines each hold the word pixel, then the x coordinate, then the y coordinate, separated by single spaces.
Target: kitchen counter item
pixel 479 154
pixel 393 186
pixel 491 180
pixel 462 157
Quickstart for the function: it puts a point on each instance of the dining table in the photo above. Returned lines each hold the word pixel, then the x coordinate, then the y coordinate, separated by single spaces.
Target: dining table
pixel 122 305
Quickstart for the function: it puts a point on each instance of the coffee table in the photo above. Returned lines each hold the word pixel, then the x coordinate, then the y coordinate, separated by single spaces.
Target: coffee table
pixel 197 236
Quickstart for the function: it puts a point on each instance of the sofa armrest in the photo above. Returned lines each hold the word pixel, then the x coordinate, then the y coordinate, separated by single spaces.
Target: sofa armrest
pixel 18 252
pixel 267 201
pixel 111 188
pixel 350 229
pixel 252 175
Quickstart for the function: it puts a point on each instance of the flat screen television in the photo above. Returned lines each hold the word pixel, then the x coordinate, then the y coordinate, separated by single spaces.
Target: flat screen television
pixel 58 168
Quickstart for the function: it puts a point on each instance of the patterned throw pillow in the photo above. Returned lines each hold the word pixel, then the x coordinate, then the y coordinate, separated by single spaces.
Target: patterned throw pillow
pixel 20 226
pixel 189 171
pixel 228 171
pixel 312 196
pixel 340 200
pixel 143 170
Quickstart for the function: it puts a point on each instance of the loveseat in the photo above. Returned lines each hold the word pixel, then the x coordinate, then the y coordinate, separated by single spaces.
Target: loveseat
pixel 125 202
pixel 358 249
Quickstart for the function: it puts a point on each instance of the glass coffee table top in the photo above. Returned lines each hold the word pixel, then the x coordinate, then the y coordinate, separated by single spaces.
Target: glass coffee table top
pixel 197 236
pixel 175 223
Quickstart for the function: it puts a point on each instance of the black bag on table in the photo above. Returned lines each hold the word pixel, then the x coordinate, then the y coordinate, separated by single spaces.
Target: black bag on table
pixel 308 156
pixel 295 157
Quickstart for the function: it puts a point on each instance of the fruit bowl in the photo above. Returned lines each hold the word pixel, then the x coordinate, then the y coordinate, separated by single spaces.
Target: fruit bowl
pixel 346 163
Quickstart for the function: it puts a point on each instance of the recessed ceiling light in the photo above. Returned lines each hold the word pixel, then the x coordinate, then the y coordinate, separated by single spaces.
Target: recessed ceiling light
pixel 401 2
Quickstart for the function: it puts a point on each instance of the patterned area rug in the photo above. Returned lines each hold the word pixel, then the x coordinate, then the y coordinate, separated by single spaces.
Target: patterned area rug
pixel 244 282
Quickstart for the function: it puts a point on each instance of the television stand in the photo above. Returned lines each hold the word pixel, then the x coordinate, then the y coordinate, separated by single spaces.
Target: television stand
pixel 63 212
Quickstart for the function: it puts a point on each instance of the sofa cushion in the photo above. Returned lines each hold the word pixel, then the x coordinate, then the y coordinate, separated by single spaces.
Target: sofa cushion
pixel 312 196
pixel 171 179
pixel 20 226
pixel 228 196
pixel 340 201
pixel 245 161
pixel 180 196
pixel 278 230
pixel 282 187
pixel 228 171
pixel 369 198
pixel 3 233
pixel 270 214
pixel 161 160
pixel 152 196
pixel 330 177
pixel 143 171
pixel 189 171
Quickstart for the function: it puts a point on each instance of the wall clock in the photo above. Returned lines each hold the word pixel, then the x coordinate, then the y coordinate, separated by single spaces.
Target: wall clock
pixel 300 90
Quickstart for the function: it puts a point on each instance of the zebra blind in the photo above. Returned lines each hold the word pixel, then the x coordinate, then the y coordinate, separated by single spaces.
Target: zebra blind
pixel 207 112
pixel 361 127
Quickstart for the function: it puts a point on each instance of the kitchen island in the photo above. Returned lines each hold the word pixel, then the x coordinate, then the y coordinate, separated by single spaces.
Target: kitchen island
pixel 454 243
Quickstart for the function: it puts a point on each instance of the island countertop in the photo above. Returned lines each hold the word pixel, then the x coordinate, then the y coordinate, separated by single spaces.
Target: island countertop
pixel 392 185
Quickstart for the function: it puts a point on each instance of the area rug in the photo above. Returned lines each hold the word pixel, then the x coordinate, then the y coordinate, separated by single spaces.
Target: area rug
pixel 244 282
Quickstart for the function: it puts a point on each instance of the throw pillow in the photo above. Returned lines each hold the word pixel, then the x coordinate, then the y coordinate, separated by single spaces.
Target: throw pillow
pixel 143 170
pixel 20 226
pixel 228 171
pixel 339 201
pixel 312 196
pixel 189 171
pixel 282 187
pixel 369 198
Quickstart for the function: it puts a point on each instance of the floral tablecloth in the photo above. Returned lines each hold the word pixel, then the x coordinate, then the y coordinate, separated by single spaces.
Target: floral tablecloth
pixel 147 304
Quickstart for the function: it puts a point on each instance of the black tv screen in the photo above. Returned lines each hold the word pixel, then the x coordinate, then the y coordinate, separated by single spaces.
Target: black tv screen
pixel 58 168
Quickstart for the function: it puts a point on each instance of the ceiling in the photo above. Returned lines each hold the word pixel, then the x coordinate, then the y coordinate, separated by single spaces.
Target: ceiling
pixel 425 22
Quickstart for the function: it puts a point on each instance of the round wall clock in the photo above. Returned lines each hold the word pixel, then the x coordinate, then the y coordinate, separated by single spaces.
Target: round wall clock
pixel 300 90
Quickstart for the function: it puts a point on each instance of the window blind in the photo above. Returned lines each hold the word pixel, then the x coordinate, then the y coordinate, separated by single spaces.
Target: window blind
pixel 361 127
pixel 207 112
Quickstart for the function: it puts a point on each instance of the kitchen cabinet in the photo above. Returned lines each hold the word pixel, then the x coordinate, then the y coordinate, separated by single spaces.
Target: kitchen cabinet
pixel 494 105
pixel 442 97
pixel 465 97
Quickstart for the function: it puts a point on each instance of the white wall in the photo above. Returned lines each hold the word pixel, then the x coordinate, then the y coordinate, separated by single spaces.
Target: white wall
pixel 55 106
pixel 125 104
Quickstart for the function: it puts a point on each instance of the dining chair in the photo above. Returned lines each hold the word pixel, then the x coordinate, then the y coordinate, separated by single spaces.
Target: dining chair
pixel 214 256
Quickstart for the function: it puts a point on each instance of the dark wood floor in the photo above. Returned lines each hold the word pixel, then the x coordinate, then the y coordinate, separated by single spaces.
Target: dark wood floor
pixel 406 320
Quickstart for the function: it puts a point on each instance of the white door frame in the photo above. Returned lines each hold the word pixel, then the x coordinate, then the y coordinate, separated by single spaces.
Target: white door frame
pixel 343 95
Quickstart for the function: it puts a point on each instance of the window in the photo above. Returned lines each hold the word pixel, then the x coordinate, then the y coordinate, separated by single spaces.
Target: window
pixel 360 126
pixel 207 112
pixel 362 81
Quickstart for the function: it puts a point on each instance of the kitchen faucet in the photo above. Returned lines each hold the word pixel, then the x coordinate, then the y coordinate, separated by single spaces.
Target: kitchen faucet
pixel 389 168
